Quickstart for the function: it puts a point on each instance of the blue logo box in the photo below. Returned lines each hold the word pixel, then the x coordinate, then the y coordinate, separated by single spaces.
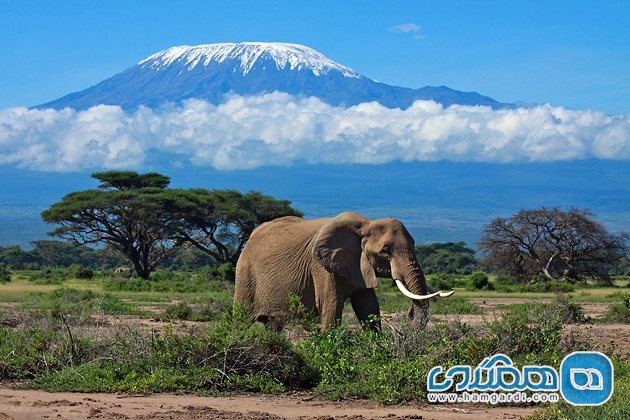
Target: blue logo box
pixel 586 378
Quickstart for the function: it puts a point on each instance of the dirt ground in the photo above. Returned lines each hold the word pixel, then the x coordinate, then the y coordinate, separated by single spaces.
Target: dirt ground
pixel 18 405
pixel 492 304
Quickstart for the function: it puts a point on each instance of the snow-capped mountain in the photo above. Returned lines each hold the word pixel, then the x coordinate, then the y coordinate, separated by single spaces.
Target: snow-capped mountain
pixel 248 54
pixel 210 71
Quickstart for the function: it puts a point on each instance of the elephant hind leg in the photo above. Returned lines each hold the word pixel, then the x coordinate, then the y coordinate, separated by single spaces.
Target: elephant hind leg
pixel 244 291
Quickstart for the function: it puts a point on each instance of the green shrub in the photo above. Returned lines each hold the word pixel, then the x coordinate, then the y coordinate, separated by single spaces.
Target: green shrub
pixel 479 280
pixel 5 274
pixel 450 257
pixel 618 313
pixel 165 281
pixel 549 286
pixel 544 285
pixel 227 272
pixel 531 332
pixel 166 276
pixel 178 311
pixel 561 308
pixel 211 310
pixel 49 276
pixel 570 312
pixel 80 272
pixel 231 355
pixel 300 315
pixel 391 367
pixel 446 281
pixel 69 301
pixel 442 281
pixel 505 281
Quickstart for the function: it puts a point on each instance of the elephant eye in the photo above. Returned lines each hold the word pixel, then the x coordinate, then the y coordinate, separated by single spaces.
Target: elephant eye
pixel 386 250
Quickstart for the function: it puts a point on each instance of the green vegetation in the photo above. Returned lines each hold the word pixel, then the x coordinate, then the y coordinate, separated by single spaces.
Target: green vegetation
pixel 57 254
pixel 169 281
pixel 454 305
pixel 72 302
pixel 392 367
pixel 446 281
pixel 508 284
pixel 57 339
pixel 5 274
pixel 619 312
pixel 51 254
pixel 178 311
pixel 231 355
pixel 219 222
pixel 449 257
pixel 479 280
pixel 562 307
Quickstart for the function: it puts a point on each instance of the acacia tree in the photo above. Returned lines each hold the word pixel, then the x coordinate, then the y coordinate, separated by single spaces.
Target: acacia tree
pixel 558 244
pixel 219 222
pixel 129 213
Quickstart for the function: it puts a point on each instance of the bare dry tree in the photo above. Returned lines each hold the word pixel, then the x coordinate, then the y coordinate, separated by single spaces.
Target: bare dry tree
pixel 558 244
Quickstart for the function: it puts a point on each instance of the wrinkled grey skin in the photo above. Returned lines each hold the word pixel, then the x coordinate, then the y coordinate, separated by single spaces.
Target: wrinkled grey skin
pixel 325 262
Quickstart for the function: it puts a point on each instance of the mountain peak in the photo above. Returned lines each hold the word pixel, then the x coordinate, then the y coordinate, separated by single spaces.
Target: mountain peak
pixel 209 72
pixel 246 55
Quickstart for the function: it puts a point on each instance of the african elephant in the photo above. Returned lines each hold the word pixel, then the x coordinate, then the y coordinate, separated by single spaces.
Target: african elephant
pixel 325 262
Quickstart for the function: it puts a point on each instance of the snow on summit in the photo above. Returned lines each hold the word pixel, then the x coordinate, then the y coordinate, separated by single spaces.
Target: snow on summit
pixel 247 55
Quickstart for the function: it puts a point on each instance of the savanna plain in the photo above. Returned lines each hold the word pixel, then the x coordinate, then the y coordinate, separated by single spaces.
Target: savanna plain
pixel 81 343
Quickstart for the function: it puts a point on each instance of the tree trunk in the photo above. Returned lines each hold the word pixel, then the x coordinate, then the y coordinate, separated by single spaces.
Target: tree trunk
pixel 545 269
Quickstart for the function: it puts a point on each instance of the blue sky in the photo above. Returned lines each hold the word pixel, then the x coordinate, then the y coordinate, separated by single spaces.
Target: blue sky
pixel 570 53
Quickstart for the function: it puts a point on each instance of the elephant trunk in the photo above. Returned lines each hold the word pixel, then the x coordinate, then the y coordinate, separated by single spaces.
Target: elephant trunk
pixel 409 277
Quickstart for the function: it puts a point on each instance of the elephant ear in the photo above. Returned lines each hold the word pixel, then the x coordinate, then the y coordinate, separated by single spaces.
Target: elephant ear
pixel 338 249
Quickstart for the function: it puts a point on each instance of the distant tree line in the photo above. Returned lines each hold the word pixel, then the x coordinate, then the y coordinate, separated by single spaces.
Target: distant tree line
pixel 57 254
pixel 142 220
pixel 449 257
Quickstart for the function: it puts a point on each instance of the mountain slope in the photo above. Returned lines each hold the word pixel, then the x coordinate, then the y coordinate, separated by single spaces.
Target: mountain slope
pixel 210 71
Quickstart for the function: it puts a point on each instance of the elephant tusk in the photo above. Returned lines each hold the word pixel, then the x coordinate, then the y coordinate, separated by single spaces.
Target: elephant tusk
pixel 410 295
pixel 441 294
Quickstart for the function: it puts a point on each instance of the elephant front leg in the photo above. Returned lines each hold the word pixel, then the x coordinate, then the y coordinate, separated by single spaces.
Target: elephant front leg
pixel 366 308
pixel 331 311
pixel 330 301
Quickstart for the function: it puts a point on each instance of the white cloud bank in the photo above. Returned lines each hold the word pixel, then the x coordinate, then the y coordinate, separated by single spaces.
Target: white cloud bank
pixel 279 129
